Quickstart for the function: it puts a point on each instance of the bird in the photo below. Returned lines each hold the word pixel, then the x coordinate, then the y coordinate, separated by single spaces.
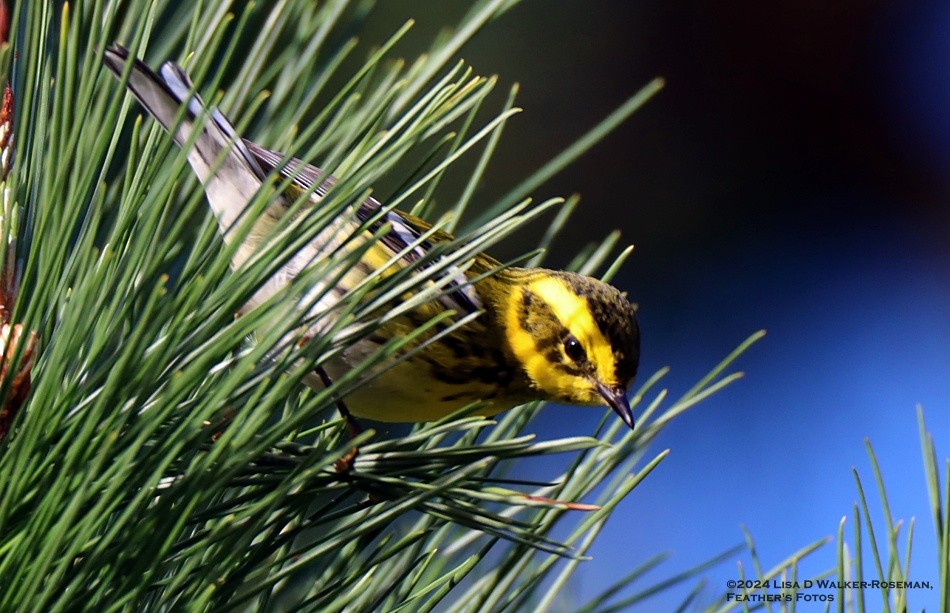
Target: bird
pixel 531 334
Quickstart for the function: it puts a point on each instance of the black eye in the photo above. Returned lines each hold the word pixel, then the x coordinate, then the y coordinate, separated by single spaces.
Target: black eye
pixel 573 349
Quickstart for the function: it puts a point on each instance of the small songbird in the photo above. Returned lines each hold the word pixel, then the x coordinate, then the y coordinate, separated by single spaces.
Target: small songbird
pixel 539 334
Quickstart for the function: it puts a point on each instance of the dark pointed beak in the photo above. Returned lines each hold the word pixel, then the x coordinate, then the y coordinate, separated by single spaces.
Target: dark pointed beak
pixel 616 398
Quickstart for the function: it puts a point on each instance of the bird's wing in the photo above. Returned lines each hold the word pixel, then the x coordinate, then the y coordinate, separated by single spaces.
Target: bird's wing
pixel 233 169
pixel 404 231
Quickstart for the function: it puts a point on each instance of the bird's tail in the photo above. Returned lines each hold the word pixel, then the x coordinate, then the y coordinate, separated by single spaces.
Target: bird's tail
pixel 230 173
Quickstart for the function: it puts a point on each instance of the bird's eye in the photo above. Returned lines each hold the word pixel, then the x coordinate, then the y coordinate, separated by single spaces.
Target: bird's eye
pixel 573 349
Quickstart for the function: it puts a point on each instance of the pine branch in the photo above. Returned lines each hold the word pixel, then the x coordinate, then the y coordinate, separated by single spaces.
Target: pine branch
pixel 163 460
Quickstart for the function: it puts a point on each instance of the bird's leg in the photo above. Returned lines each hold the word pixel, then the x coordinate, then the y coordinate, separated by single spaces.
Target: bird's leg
pixel 345 463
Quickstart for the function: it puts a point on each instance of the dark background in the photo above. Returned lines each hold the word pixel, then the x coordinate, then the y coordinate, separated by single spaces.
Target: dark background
pixel 793 176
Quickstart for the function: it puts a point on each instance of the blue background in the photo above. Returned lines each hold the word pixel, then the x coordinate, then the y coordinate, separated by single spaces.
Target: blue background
pixel 792 176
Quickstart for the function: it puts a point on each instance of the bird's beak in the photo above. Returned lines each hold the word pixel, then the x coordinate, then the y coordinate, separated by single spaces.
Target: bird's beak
pixel 616 398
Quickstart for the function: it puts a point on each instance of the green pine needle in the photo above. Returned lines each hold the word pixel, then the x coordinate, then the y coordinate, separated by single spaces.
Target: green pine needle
pixel 168 456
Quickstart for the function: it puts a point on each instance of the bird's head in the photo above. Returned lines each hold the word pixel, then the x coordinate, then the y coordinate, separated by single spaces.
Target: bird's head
pixel 576 338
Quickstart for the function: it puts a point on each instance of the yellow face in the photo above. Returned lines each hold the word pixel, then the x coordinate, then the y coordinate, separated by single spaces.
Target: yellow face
pixel 576 339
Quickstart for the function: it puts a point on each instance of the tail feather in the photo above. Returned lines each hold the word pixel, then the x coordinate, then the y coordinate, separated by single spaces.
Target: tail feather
pixel 230 182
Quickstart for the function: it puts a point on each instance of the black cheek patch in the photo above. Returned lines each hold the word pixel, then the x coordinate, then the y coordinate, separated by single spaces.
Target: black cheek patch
pixel 527 298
